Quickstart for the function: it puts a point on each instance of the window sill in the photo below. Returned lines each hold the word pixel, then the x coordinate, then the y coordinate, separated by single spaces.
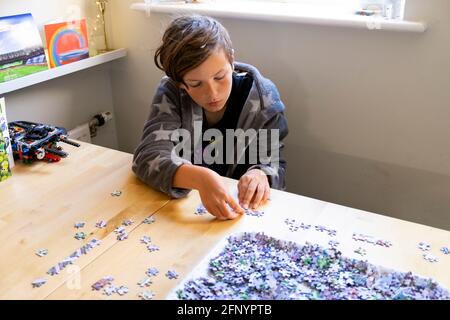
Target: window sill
pixel 286 13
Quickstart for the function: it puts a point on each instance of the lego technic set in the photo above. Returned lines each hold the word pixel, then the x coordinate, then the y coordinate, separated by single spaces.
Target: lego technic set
pixel 33 141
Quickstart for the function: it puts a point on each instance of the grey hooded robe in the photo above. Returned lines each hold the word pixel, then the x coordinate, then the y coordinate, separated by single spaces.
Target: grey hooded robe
pixel 172 108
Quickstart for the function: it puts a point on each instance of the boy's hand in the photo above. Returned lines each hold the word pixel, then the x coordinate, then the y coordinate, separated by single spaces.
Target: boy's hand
pixel 215 197
pixel 254 189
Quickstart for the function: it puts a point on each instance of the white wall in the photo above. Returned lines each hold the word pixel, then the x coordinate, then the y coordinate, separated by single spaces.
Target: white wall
pixel 70 100
pixel 368 111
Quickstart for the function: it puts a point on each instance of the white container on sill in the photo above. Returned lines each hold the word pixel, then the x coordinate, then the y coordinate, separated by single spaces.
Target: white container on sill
pixel 389 9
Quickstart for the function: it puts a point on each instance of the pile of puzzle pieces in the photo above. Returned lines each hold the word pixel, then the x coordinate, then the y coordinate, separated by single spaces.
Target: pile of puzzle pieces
pixel 256 266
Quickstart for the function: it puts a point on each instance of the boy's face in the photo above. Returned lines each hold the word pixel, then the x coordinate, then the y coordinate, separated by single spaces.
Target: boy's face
pixel 209 85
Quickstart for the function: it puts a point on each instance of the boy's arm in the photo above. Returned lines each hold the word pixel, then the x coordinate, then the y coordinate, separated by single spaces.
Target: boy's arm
pixel 213 192
pixel 153 161
pixel 276 171
pixel 189 177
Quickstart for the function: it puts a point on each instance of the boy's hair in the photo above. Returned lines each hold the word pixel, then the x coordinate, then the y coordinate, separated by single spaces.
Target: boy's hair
pixel 188 42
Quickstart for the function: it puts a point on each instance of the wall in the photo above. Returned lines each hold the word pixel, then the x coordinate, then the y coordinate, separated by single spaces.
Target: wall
pixel 368 110
pixel 70 100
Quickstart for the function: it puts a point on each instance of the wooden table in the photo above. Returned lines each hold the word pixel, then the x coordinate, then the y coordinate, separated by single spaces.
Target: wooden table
pixel 78 188
pixel 41 202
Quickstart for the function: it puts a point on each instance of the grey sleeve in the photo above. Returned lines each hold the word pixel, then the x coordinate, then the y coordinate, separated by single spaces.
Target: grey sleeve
pixel 276 173
pixel 153 161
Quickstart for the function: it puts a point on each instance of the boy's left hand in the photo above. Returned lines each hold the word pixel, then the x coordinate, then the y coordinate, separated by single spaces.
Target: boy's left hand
pixel 254 189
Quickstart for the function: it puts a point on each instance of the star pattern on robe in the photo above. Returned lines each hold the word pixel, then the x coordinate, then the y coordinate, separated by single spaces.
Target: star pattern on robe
pixel 178 160
pixel 164 106
pixel 255 105
pixel 268 99
pixel 162 134
pixel 153 165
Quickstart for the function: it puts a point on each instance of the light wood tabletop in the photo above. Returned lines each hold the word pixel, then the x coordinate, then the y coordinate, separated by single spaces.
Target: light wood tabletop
pixel 41 202
pixel 69 193
pixel 185 239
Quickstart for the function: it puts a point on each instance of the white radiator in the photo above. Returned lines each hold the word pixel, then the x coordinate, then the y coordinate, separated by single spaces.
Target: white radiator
pixel 81 133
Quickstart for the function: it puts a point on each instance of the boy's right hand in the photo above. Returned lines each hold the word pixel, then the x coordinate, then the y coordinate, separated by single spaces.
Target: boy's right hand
pixel 215 197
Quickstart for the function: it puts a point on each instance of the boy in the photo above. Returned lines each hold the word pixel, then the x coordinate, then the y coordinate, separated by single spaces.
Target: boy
pixel 205 90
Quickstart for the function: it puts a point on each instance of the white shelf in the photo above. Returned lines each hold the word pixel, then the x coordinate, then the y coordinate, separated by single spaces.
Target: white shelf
pixel 286 13
pixel 49 74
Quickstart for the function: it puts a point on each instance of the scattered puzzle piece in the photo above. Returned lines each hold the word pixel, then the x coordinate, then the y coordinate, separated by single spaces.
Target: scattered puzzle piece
pixel 424 246
pixel 254 213
pixel 146 240
pixel 100 284
pixel 294 225
pixel 152 272
pixel 149 220
pixel 320 228
pixel 122 236
pixel 80 236
pixel 127 222
pixel 330 232
pixel 79 225
pixel 305 226
pixel 54 270
pixel 145 282
pixel 430 258
pixel 171 274
pixel 116 193
pixel 152 248
pixel 122 290
pixel 333 244
pixel 101 224
pixel 42 252
pixel 201 210
pixel 119 230
pixel 146 295
pixel 109 290
pixel 38 282
pixel 371 240
pixel 361 251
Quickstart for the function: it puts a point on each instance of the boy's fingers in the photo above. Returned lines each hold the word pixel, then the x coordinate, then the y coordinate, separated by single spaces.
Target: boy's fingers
pixel 221 214
pixel 214 210
pixel 249 193
pixel 242 189
pixel 258 196
pixel 266 194
pixel 226 212
pixel 235 206
pixel 209 208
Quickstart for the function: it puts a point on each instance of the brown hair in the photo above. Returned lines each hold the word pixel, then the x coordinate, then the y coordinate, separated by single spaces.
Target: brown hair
pixel 188 42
